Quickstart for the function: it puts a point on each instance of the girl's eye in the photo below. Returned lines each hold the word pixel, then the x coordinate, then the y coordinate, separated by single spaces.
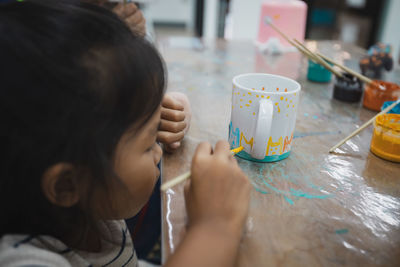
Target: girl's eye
pixel 150 148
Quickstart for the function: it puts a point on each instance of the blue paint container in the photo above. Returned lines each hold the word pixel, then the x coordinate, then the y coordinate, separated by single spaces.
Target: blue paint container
pixel 317 73
pixel 395 110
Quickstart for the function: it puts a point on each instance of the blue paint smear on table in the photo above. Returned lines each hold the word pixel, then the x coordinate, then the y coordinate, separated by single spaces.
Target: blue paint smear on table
pixel 265 184
pixel 289 200
pixel 341 231
pixel 301 135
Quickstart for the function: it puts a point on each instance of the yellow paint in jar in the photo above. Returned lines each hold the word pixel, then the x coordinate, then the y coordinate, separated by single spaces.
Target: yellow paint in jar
pixel 385 142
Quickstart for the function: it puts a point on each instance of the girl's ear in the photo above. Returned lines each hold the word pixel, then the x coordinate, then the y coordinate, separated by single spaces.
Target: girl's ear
pixel 60 185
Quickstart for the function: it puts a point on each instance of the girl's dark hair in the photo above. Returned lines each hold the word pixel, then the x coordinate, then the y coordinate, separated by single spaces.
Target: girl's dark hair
pixel 73 79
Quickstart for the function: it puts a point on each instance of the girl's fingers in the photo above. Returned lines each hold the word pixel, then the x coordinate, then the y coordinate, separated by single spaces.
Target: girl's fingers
pixel 135 19
pixel 125 10
pixel 171 126
pixel 172 115
pixel 222 148
pixel 168 137
pixel 203 149
pixel 171 103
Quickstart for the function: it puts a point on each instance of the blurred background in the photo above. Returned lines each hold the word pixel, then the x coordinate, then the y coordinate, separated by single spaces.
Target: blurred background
pixel 360 22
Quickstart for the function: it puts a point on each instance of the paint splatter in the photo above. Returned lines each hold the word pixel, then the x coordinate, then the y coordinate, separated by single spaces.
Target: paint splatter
pixel 301 135
pixel 290 186
pixel 341 231
pixel 288 200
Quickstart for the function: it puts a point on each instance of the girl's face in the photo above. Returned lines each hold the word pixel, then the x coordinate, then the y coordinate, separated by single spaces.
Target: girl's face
pixel 135 163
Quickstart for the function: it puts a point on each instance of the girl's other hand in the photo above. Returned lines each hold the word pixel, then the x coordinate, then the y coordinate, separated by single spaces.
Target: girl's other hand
pixel 132 16
pixel 175 120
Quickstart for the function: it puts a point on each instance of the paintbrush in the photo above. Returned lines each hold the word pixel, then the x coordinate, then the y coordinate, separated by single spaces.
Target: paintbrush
pixel 183 177
pixel 364 125
pixel 352 72
pixel 304 50
pixel 322 59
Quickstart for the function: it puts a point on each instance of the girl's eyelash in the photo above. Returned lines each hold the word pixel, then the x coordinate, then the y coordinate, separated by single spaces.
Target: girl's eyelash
pixel 150 148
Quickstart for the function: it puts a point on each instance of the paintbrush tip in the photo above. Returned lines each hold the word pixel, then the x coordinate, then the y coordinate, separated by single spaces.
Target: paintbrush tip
pixel 237 150
pixel 267 20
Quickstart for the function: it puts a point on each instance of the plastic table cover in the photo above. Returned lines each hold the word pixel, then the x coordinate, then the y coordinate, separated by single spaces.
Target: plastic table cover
pixel 313 208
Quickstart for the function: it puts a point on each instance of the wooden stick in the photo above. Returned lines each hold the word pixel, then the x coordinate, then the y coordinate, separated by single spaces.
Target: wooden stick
pixel 186 175
pixel 293 43
pixel 352 72
pixel 364 125
pixel 320 60
pixel 305 51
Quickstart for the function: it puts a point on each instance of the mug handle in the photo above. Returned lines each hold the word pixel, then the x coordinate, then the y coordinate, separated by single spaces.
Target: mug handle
pixel 262 129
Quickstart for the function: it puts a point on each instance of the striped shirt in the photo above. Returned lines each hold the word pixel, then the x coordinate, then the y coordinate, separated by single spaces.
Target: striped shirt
pixel 23 250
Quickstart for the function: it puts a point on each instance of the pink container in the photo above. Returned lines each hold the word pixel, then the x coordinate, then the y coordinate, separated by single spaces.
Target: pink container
pixel 288 15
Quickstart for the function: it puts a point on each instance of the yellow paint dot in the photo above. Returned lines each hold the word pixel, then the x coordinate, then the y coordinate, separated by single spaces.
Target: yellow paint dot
pixel 290 101
pixel 285 99
pixel 287 115
pixel 294 93
pixel 249 101
pixel 256 95
pixel 262 96
pixel 276 103
pixel 249 93
pixel 241 106
pixel 293 105
pixel 244 94
pixel 247 105
pixel 254 113
pixel 279 110
pixel 288 105
pixel 268 97
pixel 241 100
pixel 281 97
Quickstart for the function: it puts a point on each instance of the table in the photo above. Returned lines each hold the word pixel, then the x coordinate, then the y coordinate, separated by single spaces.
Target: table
pixel 313 208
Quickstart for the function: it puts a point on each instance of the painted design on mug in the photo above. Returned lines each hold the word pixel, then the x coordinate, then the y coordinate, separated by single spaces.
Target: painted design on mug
pixel 287 142
pixel 246 141
pixel 236 137
pixel 273 148
pixel 246 101
pixel 233 134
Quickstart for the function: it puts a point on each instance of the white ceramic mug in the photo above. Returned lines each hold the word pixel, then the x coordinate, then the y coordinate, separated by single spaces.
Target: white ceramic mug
pixel 263 118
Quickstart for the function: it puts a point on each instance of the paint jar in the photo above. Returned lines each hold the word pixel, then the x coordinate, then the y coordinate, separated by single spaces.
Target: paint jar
pixel 374 97
pixel 395 110
pixel 348 88
pixel 385 142
pixel 317 73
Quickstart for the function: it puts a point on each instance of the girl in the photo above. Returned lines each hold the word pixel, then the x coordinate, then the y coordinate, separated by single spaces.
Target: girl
pixel 80 105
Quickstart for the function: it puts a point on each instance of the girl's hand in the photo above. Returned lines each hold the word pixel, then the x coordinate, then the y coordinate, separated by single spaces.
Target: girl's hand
pixel 132 16
pixel 175 120
pixel 219 192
